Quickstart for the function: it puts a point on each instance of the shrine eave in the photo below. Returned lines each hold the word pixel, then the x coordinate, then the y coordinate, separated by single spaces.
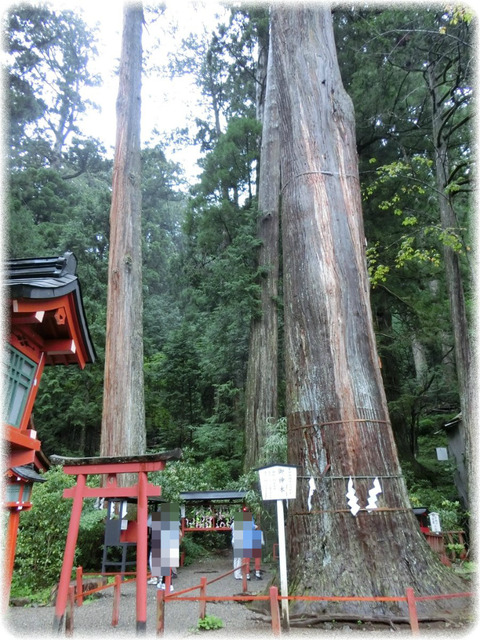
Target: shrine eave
pixel 27 472
pixel 49 279
pixel 208 496
pixel 165 456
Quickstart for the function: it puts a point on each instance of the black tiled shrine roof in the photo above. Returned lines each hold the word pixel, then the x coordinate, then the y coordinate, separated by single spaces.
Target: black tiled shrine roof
pixel 46 278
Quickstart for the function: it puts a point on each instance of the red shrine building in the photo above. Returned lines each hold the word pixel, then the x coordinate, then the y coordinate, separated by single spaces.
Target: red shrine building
pixel 45 325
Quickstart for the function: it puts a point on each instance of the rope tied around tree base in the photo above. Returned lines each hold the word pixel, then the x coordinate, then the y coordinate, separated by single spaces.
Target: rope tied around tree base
pixel 337 422
pixel 333 174
pixel 376 510
pixel 353 477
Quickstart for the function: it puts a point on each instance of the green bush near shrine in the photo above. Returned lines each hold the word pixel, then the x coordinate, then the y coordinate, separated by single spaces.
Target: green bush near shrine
pixel 43 529
pixel 42 534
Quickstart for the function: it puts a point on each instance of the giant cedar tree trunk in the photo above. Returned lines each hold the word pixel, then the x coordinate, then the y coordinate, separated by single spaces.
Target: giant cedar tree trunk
pixel 123 420
pixel 261 390
pixel 338 423
pixel 454 281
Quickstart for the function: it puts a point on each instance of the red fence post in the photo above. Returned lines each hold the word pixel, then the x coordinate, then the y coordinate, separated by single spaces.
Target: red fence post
pixel 69 612
pixel 160 612
pixel 79 581
pixel 69 553
pixel 275 611
pixel 203 594
pixel 412 610
pixel 116 601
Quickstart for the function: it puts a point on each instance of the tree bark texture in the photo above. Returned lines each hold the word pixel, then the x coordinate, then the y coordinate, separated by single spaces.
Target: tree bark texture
pixel 123 420
pixel 454 280
pixel 338 422
pixel 261 75
pixel 261 390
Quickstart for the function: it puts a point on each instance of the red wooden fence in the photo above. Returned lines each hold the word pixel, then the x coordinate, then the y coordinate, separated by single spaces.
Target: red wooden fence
pixel 273 597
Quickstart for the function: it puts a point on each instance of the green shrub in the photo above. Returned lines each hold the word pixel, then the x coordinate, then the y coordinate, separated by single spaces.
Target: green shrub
pixel 193 550
pixel 209 623
pixel 452 515
pixel 43 532
pixel 90 537
pixel 190 475
pixel 456 547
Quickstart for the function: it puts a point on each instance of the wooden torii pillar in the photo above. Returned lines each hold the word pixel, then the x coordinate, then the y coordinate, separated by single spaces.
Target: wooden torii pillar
pixel 142 490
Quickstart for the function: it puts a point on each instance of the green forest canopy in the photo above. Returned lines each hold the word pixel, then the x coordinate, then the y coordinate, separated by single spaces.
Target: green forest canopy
pixel 201 276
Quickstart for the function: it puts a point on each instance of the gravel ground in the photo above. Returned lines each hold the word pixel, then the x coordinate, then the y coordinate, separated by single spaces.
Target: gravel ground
pixel 93 619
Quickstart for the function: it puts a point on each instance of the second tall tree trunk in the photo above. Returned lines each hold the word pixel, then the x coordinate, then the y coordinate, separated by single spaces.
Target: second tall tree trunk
pixel 261 392
pixel 123 419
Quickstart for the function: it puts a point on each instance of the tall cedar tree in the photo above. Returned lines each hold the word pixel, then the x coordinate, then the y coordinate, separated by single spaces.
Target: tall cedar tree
pixel 123 419
pixel 261 389
pixel 338 423
pixel 441 113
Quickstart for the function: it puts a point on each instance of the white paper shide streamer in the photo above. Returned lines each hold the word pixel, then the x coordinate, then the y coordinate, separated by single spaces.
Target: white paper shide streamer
pixel 311 488
pixel 352 499
pixel 372 495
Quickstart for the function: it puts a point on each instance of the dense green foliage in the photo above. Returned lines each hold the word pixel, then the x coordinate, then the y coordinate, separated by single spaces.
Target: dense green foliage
pixel 41 541
pixel 397 162
pixel 201 279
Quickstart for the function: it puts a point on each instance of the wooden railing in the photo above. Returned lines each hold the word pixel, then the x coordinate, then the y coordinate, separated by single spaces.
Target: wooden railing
pixel 163 597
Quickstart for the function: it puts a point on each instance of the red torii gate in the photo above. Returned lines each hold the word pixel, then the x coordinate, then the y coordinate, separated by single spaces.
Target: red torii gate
pixel 110 467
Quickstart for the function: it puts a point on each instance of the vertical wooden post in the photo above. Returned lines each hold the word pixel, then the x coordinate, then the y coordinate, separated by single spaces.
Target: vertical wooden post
pixel 203 593
pixel 69 615
pixel 412 611
pixel 275 611
pixel 142 551
pixel 283 563
pixel 69 553
pixel 9 556
pixel 116 601
pixel 79 583
pixel 160 612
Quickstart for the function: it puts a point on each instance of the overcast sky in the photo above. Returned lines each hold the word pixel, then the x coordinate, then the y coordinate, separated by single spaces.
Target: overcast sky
pixel 166 104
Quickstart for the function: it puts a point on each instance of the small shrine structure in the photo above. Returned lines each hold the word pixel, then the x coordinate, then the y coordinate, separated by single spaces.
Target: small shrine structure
pixel 207 511
pixel 46 325
pixel 111 489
